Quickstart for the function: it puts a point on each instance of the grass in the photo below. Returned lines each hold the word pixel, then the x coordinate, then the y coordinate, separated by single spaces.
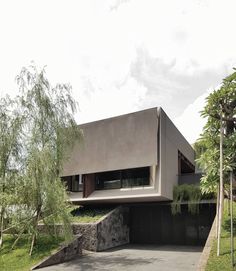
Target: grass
pixel 19 259
pixel 223 262
pixel 88 214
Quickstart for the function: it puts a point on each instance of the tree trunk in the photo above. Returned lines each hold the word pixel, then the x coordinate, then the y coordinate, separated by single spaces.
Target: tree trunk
pixel 221 201
pixel 1 226
pixel 228 204
pixel 17 239
pixel 231 219
pixel 217 209
pixel 34 235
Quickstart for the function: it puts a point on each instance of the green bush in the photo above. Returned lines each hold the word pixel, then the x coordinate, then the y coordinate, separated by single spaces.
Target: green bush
pixel 189 193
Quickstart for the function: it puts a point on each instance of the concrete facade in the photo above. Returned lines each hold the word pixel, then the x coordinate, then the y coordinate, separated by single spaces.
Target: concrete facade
pixel 126 141
pixel 171 141
pixel 146 138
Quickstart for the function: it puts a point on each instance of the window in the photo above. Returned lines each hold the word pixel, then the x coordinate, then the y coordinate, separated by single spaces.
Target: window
pixel 108 180
pixel 73 183
pixel 135 177
pixel 122 178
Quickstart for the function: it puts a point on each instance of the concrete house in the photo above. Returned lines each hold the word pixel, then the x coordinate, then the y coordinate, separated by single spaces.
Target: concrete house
pixel 134 161
pixel 137 157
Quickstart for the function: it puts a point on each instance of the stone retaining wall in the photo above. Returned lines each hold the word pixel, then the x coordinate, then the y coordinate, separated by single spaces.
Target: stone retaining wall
pixel 110 231
pixel 63 254
pixel 113 230
pixel 89 234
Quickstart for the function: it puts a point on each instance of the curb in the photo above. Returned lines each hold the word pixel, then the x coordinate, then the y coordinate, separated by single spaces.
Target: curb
pixel 207 248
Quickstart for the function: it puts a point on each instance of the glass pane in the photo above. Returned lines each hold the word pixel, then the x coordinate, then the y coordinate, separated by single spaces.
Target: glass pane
pixel 112 184
pixel 108 180
pixel 135 177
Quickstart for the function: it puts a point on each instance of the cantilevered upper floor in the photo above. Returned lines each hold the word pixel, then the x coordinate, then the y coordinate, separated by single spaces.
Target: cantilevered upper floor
pixel 135 157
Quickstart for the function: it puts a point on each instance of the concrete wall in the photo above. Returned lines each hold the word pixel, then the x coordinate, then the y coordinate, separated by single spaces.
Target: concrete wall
pixel 171 140
pixel 127 141
pixel 145 138
pixel 190 178
pixel 134 194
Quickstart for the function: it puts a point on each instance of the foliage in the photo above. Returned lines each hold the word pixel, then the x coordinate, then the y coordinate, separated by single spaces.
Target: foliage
pixel 223 262
pixel 10 145
pixel 221 104
pixel 51 131
pixel 189 193
pixel 218 141
pixel 18 259
pixel 186 192
pixel 37 130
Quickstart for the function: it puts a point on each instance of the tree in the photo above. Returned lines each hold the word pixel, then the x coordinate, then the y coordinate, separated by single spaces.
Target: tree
pixel 10 145
pixel 49 132
pixel 220 130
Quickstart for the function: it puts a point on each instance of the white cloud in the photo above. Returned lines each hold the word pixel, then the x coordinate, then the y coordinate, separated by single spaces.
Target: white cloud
pixel 93 44
pixel 111 101
pixel 190 123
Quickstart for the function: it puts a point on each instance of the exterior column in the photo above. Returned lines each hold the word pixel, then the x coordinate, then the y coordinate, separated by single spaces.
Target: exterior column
pixel 88 184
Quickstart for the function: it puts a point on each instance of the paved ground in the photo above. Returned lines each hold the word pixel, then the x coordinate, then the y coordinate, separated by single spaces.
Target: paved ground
pixel 136 258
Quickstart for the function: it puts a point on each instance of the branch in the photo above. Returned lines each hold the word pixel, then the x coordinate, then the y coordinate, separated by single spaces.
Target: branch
pixel 217 116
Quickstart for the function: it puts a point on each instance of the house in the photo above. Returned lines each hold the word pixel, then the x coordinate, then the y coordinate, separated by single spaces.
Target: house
pixel 134 161
pixel 136 157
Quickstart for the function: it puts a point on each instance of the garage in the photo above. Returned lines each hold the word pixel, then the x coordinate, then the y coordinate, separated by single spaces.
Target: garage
pixel 155 224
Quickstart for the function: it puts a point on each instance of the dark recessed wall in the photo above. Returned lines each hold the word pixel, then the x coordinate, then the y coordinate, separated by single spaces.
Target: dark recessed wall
pixel 155 224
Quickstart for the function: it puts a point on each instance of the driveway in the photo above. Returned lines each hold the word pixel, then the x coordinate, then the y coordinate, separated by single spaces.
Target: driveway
pixel 136 258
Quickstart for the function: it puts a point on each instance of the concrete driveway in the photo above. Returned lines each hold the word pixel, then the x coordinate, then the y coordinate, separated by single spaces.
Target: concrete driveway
pixel 136 258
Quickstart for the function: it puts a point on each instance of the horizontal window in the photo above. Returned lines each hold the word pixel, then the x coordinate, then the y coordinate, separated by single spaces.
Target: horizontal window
pixel 122 178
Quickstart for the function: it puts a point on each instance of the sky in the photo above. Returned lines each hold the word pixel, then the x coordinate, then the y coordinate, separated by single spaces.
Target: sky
pixel 122 56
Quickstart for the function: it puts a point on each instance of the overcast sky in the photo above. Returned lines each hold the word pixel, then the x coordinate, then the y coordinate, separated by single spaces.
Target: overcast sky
pixel 122 56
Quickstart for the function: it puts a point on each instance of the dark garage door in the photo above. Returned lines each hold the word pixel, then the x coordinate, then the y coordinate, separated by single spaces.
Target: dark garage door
pixel 155 224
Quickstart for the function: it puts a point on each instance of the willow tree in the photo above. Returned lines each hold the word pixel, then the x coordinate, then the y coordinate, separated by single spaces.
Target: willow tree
pixel 50 130
pixel 218 144
pixel 10 145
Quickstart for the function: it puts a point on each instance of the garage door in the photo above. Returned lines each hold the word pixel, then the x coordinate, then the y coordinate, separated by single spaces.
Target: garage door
pixel 155 224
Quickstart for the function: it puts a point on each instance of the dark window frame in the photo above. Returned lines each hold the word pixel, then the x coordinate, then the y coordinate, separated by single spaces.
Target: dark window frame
pixel 131 176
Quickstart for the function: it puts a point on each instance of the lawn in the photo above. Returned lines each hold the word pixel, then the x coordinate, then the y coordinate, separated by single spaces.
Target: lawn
pixel 223 262
pixel 18 259
pixel 88 214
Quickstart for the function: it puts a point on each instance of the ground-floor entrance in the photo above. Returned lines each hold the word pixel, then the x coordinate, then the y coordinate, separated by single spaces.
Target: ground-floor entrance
pixel 155 224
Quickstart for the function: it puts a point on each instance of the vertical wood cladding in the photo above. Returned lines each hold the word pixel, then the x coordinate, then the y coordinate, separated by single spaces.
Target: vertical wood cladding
pixel 89 184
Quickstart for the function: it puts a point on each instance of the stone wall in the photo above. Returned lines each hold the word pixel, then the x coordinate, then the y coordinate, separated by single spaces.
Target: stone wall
pixel 63 254
pixel 89 234
pixel 110 231
pixel 113 230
